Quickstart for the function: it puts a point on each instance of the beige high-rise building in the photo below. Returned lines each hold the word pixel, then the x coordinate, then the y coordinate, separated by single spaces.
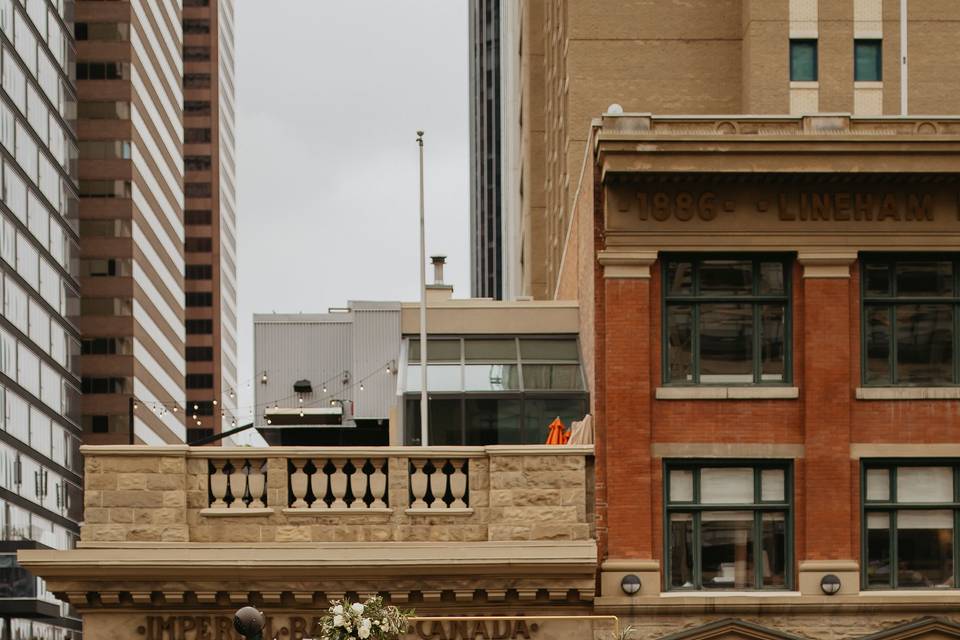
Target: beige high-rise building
pixel 130 128
pixel 708 57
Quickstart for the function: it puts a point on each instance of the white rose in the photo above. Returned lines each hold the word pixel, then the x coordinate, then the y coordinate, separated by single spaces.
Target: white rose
pixel 338 610
pixel 337 620
pixel 364 630
pixel 357 607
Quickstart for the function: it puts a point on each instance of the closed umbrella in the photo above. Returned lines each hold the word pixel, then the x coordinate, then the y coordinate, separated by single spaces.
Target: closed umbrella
pixel 558 434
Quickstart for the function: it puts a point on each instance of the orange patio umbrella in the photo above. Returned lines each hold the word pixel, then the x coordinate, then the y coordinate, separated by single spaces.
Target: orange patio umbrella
pixel 558 435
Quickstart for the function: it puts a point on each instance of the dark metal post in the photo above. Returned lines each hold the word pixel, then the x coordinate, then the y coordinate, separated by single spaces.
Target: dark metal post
pixel 130 417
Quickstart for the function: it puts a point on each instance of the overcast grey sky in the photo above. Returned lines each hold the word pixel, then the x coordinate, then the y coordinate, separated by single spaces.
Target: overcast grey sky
pixel 329 97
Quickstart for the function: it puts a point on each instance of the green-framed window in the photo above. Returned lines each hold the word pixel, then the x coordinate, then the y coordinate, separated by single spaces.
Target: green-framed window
pixel 726 319
pixel 868 60
pixel 910 319
pixel 729 525
pixel 911 515
pixel 803 60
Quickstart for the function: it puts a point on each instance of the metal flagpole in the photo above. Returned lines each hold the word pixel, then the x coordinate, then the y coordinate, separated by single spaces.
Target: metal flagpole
pixel 424 437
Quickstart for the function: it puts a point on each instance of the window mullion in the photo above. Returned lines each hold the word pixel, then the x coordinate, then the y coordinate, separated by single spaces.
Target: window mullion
pixel 892 311
pixel 697 568
pixel 757 360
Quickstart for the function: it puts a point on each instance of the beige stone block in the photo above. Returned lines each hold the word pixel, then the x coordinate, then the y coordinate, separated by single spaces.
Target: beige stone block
pixel 505 463
pixel 133 464
pixel 321 533
pixel 292 534
pixel 176 499
pixel 100 481
pixel 175 534
pixel 92 499
pixel 96 515
pixel 539 514
pixel 166 482
pixel 142 516
pixel 268 534
pixel 121 515
pixel 92 464
pixel 169 464
pixel 197 467
pixel 509 532
pixel 131 498
pixel 236 532
pixel 131 481
pixel 103 532
pixel 198 499
pixel 169 516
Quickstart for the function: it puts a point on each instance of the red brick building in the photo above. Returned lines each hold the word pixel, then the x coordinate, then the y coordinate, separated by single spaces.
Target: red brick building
pixel 769 310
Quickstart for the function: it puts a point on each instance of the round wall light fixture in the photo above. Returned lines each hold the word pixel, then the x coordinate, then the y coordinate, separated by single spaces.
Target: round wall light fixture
pixel 830 584
pixel 630 584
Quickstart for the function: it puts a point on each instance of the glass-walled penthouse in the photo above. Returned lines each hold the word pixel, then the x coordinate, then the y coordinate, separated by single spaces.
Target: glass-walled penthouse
pixel 493 389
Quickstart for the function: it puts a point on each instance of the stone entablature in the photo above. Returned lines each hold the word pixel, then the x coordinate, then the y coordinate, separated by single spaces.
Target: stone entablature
pixel 379 494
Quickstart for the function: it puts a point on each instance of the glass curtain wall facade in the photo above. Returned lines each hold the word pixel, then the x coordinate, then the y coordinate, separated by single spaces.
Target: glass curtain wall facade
pixel 40 465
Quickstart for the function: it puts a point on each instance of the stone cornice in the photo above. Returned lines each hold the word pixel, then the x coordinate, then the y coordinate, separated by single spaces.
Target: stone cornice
pixel 626 264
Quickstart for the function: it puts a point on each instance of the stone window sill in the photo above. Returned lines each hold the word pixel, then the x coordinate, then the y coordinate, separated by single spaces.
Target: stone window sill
pixel 237 513
pixel 727 393
pixel 439 512
pixel 908 393
pixel 338 511
pixel 772 593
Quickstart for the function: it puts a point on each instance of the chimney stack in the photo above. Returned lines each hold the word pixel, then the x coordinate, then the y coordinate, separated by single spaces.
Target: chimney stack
pixel 438 262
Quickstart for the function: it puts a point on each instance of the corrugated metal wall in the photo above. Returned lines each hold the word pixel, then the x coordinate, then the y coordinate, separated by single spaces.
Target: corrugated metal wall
pixel 376 343
pixel 319 348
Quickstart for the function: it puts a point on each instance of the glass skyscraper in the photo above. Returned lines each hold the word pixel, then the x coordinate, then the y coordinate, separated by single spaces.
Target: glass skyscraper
pixel 40 464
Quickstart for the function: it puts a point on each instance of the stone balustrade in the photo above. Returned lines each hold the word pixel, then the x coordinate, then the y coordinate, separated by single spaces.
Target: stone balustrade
pixel 312 494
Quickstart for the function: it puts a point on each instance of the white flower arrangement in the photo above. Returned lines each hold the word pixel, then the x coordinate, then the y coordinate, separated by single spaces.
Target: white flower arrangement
pixel 370 620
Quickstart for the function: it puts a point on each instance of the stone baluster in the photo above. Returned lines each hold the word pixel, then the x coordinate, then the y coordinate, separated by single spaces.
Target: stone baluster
pixel 338 483
pixel 458 484
pixel 298 483
pixel 418 484
pixel 358 484
pixel 218 484
pixel 318 484
pixel 238 483
pixel 378 485
pixel 438 485
pixel 256 483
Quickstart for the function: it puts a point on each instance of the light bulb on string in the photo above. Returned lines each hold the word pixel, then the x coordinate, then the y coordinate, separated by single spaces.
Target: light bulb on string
pixel 301 413
pixel 231 393
pixel 214 403
pixel 195 407
pixel 324 388
pixel 135 405
pixel 300 399
pixel 233 423
pixel 361 386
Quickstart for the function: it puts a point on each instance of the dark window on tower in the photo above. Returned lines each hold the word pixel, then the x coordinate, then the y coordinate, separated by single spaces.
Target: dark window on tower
pixel 101 385
pixel 199 354
pixel 100 71
pixel 80 31
pixel 199 381
pixel 199 299
pixel 196 26
pixel 198 244
pixel 803 60
pixel 196 53
pixel 197 216
pixel 199 272
pixel 98 346
pixel 199 327
pixel 200 407
pixel 197 163
pixel 197 189
pixel 196 81
pixel 100 424
pixel 196 136
pixel 195 107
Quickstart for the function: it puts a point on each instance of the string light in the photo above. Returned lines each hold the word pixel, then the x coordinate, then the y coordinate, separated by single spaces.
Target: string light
pixel 361 386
